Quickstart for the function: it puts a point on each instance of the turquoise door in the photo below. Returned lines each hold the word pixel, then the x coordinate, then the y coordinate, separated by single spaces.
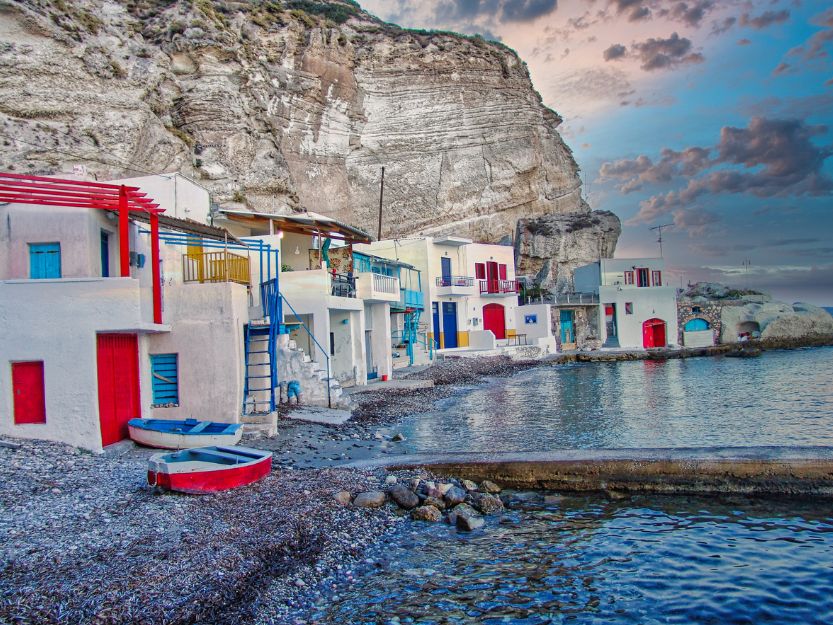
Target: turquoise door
pixel 44 261
pixel 568 333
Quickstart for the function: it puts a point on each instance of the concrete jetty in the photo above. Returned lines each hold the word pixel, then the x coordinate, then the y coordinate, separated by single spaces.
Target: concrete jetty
pixel 698 470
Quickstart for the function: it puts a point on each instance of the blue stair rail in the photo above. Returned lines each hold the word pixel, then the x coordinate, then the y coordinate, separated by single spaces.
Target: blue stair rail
pixel 262 338
pixel 324 352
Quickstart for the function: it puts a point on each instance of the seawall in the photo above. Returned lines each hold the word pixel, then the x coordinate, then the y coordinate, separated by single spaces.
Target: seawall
pixel 804 471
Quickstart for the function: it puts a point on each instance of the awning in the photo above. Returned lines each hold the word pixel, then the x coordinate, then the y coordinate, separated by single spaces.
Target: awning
pixel 302 223
pixel 189 226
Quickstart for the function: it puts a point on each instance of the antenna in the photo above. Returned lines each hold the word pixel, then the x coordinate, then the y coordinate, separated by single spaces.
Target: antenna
pixel 659 235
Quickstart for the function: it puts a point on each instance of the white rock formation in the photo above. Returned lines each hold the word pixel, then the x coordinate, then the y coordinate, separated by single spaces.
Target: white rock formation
pixel 776 320
pixel 284 109
pixel 549 248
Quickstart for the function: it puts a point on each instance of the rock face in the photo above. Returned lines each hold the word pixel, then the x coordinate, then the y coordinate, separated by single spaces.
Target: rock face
pixel 295 105
pixel 775 320
pixel 550 247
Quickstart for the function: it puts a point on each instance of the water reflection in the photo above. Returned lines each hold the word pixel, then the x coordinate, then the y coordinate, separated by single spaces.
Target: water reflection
pixel 782 398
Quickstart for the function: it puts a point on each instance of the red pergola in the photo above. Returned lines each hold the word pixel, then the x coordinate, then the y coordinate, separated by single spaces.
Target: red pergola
pixel 43 191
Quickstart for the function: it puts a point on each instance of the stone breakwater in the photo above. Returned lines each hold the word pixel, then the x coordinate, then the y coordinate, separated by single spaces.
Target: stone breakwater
pixel 781 471
pixel 461 503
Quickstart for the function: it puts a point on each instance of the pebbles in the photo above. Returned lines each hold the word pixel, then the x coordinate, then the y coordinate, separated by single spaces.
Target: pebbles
pixel 108 549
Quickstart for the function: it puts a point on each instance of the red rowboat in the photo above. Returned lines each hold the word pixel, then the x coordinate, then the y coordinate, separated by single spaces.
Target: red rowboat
pixel 208 469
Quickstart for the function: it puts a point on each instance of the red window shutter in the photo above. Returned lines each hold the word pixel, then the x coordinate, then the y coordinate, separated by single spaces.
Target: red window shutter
pixel 28 392
pixel 480 271
pixel 501 272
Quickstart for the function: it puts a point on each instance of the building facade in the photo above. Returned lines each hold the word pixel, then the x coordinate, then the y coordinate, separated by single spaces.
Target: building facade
pixel 469 289
pixel 636 309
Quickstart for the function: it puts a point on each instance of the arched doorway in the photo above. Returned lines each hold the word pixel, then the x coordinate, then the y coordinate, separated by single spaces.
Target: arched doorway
pixel 696 325
pixel 494 319
pixel 653 333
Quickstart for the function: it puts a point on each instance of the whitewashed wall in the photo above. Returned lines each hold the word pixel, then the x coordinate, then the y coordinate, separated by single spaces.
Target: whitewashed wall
pixel 648 303
pixel 207 334
pixel 56 321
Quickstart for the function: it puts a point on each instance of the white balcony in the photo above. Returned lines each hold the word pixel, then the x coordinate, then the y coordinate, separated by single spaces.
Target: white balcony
pixel 375 287
pixel 456 286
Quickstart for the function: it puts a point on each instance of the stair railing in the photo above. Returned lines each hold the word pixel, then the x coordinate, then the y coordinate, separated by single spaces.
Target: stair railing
pixel 317 344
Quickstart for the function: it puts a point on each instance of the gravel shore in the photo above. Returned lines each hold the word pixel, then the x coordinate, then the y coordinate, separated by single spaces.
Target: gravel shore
pixel 83 539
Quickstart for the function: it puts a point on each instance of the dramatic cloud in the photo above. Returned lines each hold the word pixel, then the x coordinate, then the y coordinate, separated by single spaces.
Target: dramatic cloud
pixel 815 49
pixel 503 10
pixel 688 13
pixel 724 25
pixel 642 170
pixel 616 51
pixel 656 53
pixel 770 157
pixel 765 19
pixel 695 221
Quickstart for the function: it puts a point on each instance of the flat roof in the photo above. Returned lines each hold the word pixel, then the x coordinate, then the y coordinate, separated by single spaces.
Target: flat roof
pixel 452 241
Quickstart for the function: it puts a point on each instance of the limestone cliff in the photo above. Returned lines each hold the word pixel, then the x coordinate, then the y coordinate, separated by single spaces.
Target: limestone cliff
pixel 549 248
pixel 282 106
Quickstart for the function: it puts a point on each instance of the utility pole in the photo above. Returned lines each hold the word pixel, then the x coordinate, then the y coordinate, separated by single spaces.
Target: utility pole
pixel 746 264
pixel 381 195
pixel 659 235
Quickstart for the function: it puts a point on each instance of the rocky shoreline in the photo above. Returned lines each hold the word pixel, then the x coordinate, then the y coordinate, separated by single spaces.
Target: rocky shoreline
pixel 83 539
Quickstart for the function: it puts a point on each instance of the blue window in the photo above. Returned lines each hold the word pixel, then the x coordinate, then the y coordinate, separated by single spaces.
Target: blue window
pixel 164 379
pixel 44 260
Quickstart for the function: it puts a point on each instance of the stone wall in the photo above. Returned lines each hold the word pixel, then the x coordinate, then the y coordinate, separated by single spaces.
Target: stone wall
pixel 586 323
pixel 710 311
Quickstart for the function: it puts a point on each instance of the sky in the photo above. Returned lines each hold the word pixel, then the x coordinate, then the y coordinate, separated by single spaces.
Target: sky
pixel 712 116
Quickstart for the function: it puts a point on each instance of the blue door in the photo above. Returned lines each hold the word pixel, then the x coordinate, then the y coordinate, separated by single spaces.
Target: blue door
pixel 436 312
pixel 446 271
pixel 44 260
pixel 568 333
pixel 449 324
pixel 105 254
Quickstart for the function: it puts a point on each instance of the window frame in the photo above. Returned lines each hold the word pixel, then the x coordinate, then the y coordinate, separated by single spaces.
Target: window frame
pixel 161 398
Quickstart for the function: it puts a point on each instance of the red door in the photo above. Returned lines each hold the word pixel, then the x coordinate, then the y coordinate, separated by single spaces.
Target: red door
pixel 118 385
pixel 494 320
pixel 653 333
pixel 27 389
pixel 492 277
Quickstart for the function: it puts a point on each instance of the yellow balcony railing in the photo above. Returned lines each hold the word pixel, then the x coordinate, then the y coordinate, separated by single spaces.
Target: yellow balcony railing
pixel 220 266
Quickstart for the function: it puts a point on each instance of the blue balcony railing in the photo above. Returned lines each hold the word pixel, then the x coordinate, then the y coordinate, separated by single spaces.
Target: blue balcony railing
pixel 412 299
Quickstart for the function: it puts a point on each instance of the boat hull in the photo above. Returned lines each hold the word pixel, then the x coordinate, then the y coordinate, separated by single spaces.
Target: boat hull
pixel 200 478
pixel 172 440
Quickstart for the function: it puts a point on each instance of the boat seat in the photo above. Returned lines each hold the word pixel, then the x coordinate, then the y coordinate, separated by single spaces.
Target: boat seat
pixel 200 427
pixel 222 454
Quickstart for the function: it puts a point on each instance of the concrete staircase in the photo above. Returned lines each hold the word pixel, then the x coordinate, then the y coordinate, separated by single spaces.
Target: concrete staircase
pixel 295 364
pixel 260 424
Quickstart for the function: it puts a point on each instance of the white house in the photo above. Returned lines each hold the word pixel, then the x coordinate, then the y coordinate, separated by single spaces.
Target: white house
pixel 112 310
pixel 470 288
pixel 92 325
pixel 336 313
pixel 638 308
